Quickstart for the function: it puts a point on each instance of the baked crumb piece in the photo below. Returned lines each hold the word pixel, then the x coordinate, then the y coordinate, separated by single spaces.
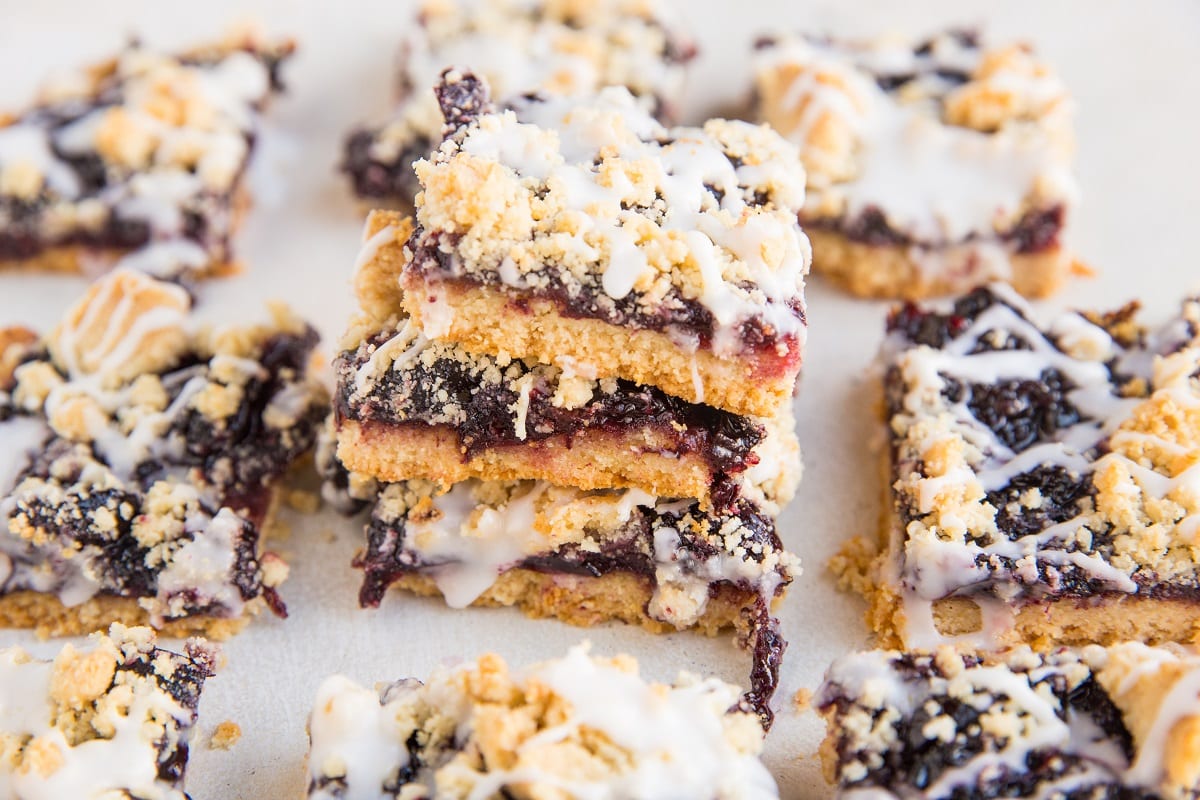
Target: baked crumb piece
pixel 578 726
pixel 802 700
pixel 110 721
pixel 143 448
pixel 543 47
pixel 581 231
pixel 225 736
pixel 1100 723
pixel 933 164
pixel 1046 478
pixel 139 160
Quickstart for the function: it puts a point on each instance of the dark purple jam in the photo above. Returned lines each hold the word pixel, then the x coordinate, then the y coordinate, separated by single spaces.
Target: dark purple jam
pixel 451 392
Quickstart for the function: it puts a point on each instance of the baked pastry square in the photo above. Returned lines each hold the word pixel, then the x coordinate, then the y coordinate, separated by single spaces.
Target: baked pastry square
pixel 1045 478
pixel 520 47
pixel 577 726
pixel 584 557
pixel 581 233
pixel 113 720
pixel 140 160
pixel 933 164
pixel 141 450
pixel 1122 722
pixel 408 407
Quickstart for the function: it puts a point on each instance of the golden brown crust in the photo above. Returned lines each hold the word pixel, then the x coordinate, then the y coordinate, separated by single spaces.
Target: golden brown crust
pixel 891 272
pixel 47 616
pixel 485 320
pixel 587 601
pixel 377 280
pixel 591 460
pixel 13 343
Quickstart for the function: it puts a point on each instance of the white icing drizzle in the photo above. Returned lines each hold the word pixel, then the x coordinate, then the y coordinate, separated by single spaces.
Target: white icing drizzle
pixel 124 761
pixel 731 243
pixel 467 543
pixel 676 741
pixel 939 183
pixel 1181 702
pixel 935 563
pixel 20 436
pixel 28 145
pixel 354 736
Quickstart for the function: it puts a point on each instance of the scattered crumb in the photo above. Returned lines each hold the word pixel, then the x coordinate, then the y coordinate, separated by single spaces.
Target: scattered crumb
pixel 851 565
pixel 802 700
pixel 302 500
pixel 225 736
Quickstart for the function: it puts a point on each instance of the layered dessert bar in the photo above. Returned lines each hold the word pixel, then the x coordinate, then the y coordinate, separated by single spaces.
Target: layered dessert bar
pixel 933 164
pixel 408 407
pixel 581 233
pixel 111 721
pixel 1045 479
pixel 1101 724
pixel 584 557
pixel 578 726
pixel 519 47
pixel 142 448
pixel 140 160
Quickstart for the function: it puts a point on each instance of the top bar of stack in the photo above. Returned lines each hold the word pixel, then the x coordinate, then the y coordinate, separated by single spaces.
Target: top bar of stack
pixel 592 238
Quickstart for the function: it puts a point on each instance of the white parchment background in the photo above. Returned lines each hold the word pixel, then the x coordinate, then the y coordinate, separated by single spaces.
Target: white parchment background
pixel 1134 68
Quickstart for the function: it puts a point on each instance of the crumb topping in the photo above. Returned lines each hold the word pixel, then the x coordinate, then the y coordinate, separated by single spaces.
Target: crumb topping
pixel 1072 724
pixel 592 202
pixel 143 154
pixel 898 136
pixel 583 725
pixel 144 445
pixel 1042 461
pixel 113 719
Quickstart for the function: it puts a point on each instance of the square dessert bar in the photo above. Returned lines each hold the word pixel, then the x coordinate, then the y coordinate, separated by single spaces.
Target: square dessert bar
pixel 1101 724
pixel 579 232
pixel 520 47
pixel 139 160
pixel 577 726
pixel 410 407
pixel 112 721
pixel 933 165
pixel 584 557
pixel 1045 478
pixel 141 450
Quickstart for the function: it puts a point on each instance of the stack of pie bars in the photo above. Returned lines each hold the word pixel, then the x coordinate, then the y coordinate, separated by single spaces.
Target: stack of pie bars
pixel 569 391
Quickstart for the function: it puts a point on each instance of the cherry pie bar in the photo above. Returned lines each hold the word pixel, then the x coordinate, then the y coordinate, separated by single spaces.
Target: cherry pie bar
pixel 520 47
pixel 933 165
pixel 140 160
pixel 111 721
pixel 1045 478
pixel 578 726
pixel 1096 724
pixel 142 450
pixel 583 234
